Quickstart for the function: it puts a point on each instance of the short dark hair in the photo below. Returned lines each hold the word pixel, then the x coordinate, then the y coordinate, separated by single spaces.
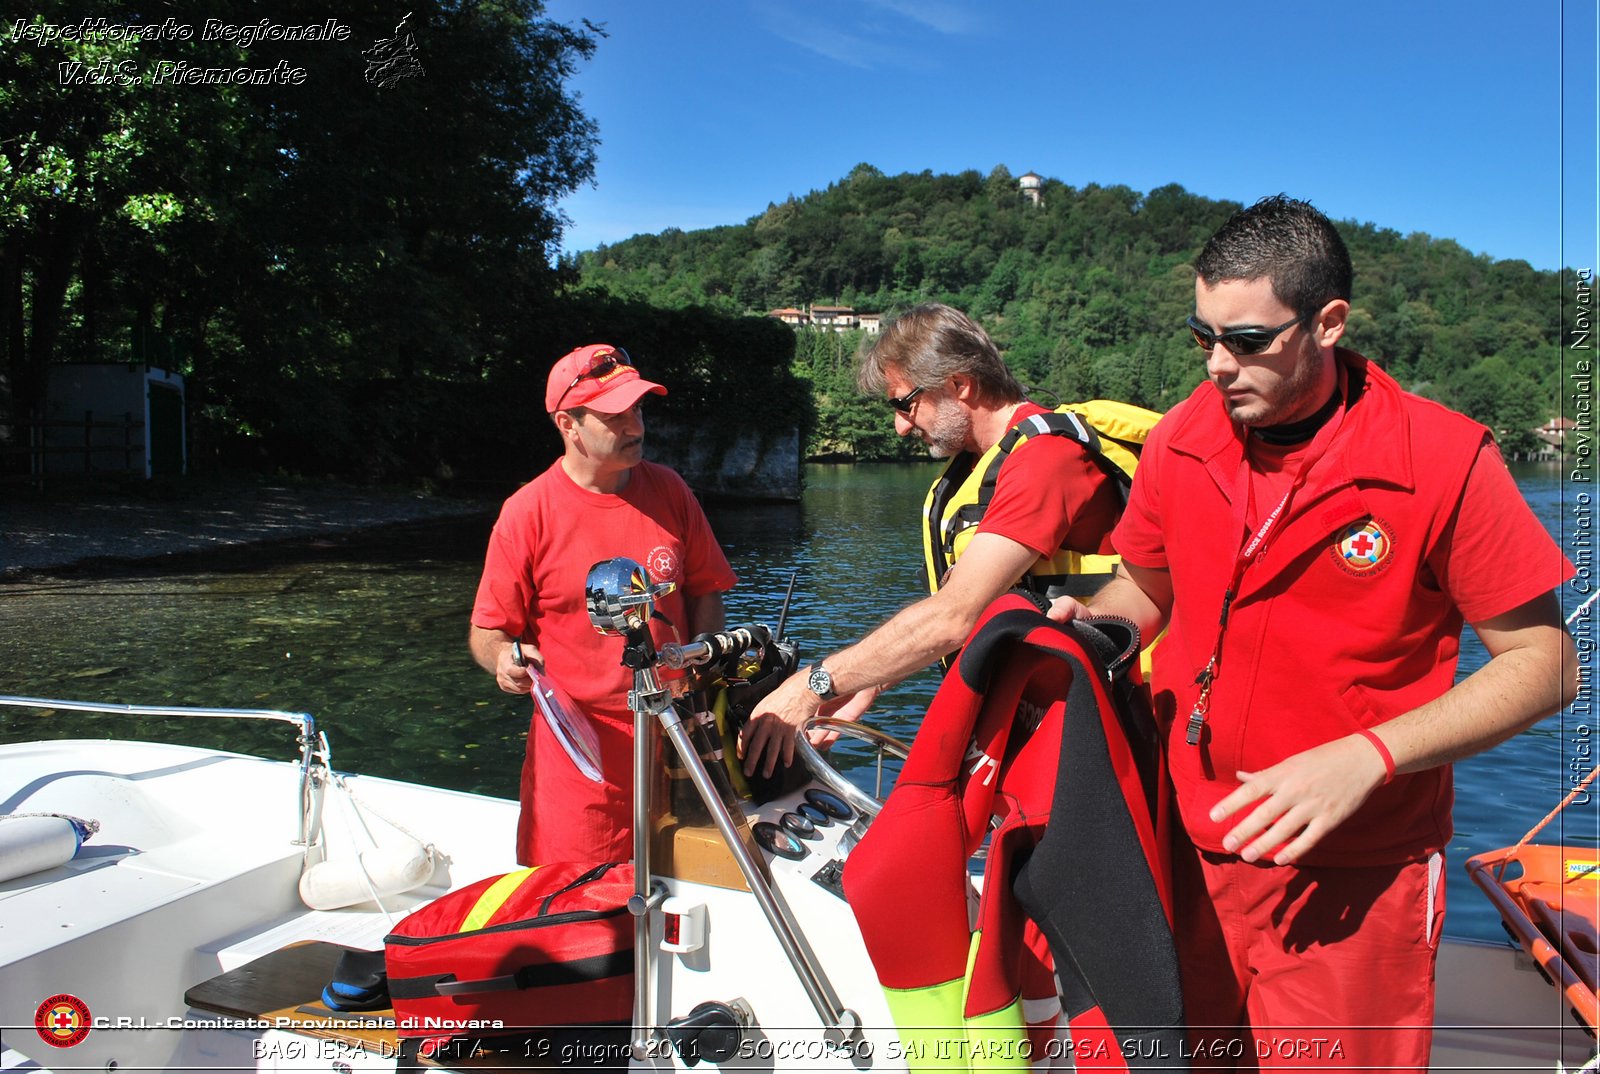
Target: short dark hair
pixel 929 343
pixel 1288 242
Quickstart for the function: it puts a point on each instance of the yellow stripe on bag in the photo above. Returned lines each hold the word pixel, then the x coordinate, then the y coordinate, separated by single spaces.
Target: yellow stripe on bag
pixel 493 898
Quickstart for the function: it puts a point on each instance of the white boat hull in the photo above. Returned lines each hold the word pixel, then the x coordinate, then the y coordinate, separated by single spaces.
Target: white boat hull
pixel 195 869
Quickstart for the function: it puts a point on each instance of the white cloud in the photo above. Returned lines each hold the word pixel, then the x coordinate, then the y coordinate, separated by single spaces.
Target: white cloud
pixel 828 42
pixel 945 18
pixel 865 36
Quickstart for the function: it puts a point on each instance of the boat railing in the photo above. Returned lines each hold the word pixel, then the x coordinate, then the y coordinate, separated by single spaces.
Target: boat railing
pixel 312 745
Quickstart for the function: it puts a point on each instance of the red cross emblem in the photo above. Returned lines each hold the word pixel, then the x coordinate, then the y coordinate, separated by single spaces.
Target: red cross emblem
pixel 662 563
pixel 62 1021
pixel 1363 547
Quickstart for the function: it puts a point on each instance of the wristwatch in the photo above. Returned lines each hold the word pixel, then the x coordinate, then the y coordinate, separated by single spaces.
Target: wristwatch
pixel 821 683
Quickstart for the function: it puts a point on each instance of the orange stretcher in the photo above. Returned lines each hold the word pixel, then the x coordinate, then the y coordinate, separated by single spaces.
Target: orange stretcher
pixel 1549 899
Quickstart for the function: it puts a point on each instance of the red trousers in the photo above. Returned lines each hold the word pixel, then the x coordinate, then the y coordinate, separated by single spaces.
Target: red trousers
pixel 567 817
pixel 1309 968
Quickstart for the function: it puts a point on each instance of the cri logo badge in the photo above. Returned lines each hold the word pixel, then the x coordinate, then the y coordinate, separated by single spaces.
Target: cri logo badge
pixel 1365 547
pixel 62 1021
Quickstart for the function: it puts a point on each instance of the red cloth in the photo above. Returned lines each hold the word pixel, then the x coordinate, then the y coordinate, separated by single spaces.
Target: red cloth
pixel 1320 968
pixel 1049 494
pixel 550 532
pixel 1317 644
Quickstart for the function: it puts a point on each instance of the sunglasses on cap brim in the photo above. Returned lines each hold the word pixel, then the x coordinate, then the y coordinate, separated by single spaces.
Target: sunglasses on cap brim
pixel 604 364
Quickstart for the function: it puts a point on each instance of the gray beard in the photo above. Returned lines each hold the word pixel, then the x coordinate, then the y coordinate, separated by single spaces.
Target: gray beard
pixel 948 435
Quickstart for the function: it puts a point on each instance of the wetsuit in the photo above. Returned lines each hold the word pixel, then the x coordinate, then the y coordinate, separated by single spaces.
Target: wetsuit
pixel 1031 728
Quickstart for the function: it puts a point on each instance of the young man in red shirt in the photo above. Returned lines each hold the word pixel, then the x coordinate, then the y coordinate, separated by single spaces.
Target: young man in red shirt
pixel 1314 538
pixel 600 500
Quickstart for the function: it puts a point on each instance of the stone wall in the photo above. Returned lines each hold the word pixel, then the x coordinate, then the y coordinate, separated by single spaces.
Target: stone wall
pixel 723 462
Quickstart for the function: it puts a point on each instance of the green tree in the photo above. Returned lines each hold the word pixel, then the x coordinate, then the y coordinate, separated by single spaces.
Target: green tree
pixel 85 183
pixel 1504 400
pixel 1086 294
pixel 304 247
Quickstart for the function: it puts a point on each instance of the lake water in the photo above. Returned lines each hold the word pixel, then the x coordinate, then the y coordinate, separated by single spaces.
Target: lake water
pixel 369 634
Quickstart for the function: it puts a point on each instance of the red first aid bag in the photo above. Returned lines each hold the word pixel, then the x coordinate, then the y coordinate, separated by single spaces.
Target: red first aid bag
pixel 547 946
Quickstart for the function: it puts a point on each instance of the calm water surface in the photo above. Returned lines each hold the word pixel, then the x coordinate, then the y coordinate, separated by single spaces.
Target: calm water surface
pixel 369 636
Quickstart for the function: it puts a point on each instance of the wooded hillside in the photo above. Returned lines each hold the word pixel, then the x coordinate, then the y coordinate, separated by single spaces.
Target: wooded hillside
pixel 1086 292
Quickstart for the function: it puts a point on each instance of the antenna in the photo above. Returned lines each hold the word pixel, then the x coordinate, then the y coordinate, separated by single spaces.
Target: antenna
pixel 783 615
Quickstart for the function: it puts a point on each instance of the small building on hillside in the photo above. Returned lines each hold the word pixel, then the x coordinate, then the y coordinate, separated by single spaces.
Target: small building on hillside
pixel 1032 187
pixel 829 319
pixel 1554 432
pixel 837 318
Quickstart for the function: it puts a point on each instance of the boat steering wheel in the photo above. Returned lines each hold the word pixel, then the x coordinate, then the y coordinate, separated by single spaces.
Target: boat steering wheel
pixel 828 776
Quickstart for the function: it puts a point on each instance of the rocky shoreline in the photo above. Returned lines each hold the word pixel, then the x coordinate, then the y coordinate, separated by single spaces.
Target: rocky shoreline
pixel 81 528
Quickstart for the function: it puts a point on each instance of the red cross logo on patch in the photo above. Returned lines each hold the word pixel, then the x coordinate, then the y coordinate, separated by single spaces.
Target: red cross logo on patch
pixel 662 563
pixel 1364 547
pixel 62 1021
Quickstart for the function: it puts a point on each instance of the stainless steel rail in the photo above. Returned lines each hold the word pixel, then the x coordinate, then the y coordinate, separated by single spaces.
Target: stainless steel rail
pixel 309 742
pixel 647 699
pixel 840 1023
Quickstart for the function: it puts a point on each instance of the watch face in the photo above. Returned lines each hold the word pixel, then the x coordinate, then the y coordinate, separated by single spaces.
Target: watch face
pixel 820 681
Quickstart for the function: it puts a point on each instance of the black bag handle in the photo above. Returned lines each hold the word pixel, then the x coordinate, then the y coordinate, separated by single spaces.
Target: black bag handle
pixel 546 975
pixel 589 877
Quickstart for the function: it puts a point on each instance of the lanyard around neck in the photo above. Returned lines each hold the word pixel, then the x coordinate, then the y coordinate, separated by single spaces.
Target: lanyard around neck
pixel 1253 545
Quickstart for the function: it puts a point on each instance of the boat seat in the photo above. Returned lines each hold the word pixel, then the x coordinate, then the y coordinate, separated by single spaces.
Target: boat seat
pixel 285 988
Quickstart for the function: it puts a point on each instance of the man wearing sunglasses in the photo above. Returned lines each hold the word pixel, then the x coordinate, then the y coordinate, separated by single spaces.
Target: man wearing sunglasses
pixel 948 385
pixel 1314 537
pixel 599 500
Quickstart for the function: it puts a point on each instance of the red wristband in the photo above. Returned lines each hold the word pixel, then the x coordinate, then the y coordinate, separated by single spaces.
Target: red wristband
pixel 1383 751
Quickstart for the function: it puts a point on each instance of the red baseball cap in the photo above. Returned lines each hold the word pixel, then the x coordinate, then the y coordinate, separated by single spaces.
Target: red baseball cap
pixel 600 377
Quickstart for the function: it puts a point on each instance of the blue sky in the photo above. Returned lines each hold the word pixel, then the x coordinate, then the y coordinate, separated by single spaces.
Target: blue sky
pixel 1430 116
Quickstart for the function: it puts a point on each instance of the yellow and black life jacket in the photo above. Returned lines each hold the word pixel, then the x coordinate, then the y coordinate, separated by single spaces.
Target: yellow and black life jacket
pixel 1111 432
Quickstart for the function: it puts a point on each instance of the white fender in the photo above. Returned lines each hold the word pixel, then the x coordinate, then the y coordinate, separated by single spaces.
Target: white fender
pixel 388 870
pixel 31 844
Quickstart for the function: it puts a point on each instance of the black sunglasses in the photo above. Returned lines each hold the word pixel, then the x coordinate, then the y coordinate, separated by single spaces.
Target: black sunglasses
pixel 602 368
pixel 1241 341
pixel 902 403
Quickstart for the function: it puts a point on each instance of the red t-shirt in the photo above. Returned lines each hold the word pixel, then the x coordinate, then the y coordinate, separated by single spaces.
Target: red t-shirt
pixel 550 532
pixel 1049 495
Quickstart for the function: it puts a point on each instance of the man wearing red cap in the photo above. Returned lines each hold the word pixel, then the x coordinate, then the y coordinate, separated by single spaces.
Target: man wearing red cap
pixel 598 501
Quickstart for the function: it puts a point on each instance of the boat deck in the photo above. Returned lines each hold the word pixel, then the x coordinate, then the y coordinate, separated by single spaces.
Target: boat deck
pixel 153 892
pixel 157 926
